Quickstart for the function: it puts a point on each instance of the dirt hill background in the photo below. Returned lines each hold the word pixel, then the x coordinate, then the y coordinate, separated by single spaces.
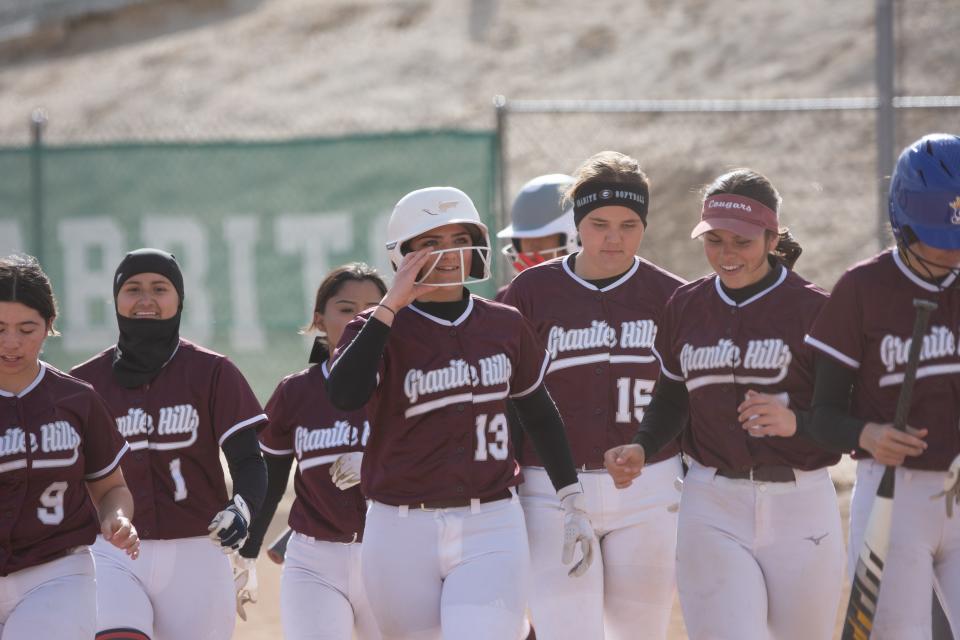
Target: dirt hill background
pixel 210 69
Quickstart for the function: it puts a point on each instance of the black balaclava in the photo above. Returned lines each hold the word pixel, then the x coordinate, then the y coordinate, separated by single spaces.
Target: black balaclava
pixel 145 345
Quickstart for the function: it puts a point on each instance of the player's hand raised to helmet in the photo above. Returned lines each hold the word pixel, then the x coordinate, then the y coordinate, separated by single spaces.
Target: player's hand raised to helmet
pixel 764 414
pixel 891 446
pixel 405 288
pixel 624 464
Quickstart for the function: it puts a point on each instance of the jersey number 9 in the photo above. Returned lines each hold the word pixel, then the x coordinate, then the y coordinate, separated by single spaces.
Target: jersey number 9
pixel 50 510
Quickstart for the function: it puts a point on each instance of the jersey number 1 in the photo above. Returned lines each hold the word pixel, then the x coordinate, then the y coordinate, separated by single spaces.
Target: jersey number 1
pixel 641 398
pixel 179 484
pixel 497 449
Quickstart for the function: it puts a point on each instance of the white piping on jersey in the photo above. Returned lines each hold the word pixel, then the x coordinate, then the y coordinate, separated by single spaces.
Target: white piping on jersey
pixel 922 372
pixel 533 387
pixel 30 387
pixel 110 467
pixel 663 369
pixel 592 287
pixel 830 351
pixel 12 465
pixel 276 452
pixel 229 432
pixel 446 323
pixel 576 361
pixel 730 378
pixel 917 280
pixel 733 303
pixel 57 462
pixel 426 407
pixel 319 460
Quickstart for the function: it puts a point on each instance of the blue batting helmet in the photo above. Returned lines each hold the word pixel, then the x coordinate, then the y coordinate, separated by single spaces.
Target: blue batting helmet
pixel 925 192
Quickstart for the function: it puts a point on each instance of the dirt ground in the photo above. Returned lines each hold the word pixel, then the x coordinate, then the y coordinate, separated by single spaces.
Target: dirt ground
pixel 263 621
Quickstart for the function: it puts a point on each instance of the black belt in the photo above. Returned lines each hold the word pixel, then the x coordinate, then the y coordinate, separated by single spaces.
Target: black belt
pixel 591 466
pixel 454 503
pixel 762 473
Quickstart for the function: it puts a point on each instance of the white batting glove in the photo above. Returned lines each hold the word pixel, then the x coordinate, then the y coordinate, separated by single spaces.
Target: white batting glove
pixel 577 530
pixel 346 470
pixel 229 527
pixel 951 487
pixel 244 581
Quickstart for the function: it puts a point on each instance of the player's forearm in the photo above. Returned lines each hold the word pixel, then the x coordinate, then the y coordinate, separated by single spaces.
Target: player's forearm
pixel 117 502
pixel 665 418
pixel 831 425
pixel 354 374
pixel 540 419
pixel 278 474
pixel 242 451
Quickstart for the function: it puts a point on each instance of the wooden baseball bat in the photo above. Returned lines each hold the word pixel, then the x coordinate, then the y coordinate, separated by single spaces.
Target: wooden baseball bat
pixel 278 548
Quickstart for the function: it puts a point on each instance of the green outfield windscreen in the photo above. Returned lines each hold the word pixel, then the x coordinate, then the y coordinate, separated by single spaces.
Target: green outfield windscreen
pixel 255 227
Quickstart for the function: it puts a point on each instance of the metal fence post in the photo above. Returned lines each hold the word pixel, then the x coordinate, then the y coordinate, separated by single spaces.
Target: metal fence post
pixel 38 121
pixel 886 123
pixel 500 108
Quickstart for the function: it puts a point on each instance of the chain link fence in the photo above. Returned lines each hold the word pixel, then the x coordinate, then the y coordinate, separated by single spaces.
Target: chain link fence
pixel 820 154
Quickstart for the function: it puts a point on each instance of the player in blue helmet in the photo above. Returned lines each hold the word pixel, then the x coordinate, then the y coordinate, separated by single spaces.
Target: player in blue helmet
pixel 862 336
pixel 925 203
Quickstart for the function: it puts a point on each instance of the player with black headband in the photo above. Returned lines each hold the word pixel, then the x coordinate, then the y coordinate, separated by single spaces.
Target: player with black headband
pixel 597 311
pixel 178 405
pixel 863 337
pixel 759 541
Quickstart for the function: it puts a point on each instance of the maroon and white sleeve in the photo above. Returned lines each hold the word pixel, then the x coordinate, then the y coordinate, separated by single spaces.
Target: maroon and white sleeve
pixel 532 363
pixel 235 407
pixel 836 332
pixel 276 439
pixel 103 446
pixel 663 344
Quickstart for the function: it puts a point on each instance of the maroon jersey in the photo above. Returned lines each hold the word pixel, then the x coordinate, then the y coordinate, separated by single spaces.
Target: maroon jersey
pixel 304 423
pixel 867 326
pixel 175 426
pixel 439 410
pixel 721 349
pixel 602 368
pixel 55 435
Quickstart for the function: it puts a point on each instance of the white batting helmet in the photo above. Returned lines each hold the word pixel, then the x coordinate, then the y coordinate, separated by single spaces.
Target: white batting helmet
pixel 426 209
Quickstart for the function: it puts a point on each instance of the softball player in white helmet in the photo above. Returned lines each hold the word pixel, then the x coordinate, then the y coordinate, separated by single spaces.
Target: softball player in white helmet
pixel 445 547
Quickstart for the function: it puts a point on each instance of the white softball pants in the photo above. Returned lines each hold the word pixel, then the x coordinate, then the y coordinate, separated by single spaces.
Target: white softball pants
pixel 456 574
pixel 56 599
pixel 176 589
pixel 628 591
pixel 924 551
pixel 759 560
pixel 321 592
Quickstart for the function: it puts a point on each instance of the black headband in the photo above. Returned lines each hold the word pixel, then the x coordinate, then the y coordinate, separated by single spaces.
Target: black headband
pixel 593 196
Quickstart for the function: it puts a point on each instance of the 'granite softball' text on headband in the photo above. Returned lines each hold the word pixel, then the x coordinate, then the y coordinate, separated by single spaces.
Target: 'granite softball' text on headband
pixel 594 196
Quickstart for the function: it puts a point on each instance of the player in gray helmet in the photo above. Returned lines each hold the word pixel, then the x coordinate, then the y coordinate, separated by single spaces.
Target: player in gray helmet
pixel 541 226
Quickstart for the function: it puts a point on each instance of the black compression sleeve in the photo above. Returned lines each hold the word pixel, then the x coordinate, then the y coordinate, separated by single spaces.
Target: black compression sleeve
pixel 242 451
pixel 665 417
pixel 354 375
pixel 831 425
pixel 541 421
pixel 278 474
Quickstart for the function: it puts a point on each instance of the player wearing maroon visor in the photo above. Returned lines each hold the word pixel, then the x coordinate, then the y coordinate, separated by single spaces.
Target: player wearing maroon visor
pixel 597 312
pixel 321 591
pixel 445 548
pixel 59 460
pixel 178 405
pixel 541 224
pixel 759 542
pixel 862 338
